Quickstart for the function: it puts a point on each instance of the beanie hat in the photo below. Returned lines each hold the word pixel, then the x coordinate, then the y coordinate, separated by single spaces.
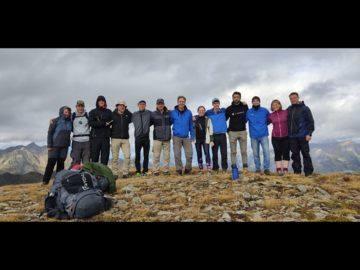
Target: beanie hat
pixel 256 97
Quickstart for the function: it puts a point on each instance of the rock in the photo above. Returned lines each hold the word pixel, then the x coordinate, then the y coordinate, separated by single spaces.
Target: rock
pixel 9 211
pixel 177 218
pixel 163 213
pixel 213 183
pixel 323 192
pixel 289 186
pixel 309 204
pixel 146 196
pixel 189 199
pixel 301 188
pixel 288 219
pixel 246 205
pixel 136 200
pixel 295 215
pixel 318 196
pixel 240 212
pixel 256 216
pixel 339 179
pixel 292 209
pixel 209 208
pixel 182 194
pixel 357 217
pixel 247 195
pixel 239 220
pixel 226 217
pixel 220 220
pixel 4 204
pixel 319 215
pixel 188 220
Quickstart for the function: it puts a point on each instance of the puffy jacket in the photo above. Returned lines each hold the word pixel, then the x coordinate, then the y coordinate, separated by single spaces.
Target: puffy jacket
pixel 141 121
pixel 60 130
pixel 120 124
pixel 237 115
pixel 300 120
pixel 258 122
pixel 182 123
pixel 98 118
pixel 218 120
pixel 162 125
pixel 279 119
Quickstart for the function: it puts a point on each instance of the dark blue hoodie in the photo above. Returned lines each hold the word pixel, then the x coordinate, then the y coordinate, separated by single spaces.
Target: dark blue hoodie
pixel 60 130
pixel 300 120
pixel 98 118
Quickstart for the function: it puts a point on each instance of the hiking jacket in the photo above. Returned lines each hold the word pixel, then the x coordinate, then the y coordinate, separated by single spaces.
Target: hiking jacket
pixel 120 124
pixel 279 119
pixel 258 122
pixel 141 121
pixel 80 127
pixel 98 118
pixel 218 120
pixel 162 125
pixel 102 170
pixel 60 130
pixel 182 123
pixel 300 120
pixel 237 115
pixel 209 137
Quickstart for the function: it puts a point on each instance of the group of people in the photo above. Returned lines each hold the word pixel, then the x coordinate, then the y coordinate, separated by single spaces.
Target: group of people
pixel 292 130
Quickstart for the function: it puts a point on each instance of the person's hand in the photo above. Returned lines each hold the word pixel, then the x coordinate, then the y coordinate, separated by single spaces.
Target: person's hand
pixel 308 138
pixel 244 103
pixel 51 121
pixel 212 144
pixel 192 141
pixel 194 119
pixel 107 124
pixel 49 149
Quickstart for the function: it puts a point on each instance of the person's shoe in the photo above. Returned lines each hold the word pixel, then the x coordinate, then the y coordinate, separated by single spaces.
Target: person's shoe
pixel 245 170
pixel 285 172
pixel 138 175
pixel 166 173
pixel 224 171
pixel 208 173
pixel 179 173
pixel 216 171
pixel 257 171
pixel 116 177
pixel 44 183
pixel 279 173
pixel 145 174
pixel 267 172
pixel 156 174
pixel 126 176
pixel 187 172
pixel 200 173
pixel 308 175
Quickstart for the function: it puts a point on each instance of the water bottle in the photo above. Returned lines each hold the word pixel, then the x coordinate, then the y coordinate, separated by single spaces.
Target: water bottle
pixel 235 172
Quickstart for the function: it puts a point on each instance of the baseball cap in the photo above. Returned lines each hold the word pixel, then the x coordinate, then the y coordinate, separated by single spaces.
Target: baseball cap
pixel 121 102
pixel 80 102
pixel 160 100
pixel 141 100
pixel 215 99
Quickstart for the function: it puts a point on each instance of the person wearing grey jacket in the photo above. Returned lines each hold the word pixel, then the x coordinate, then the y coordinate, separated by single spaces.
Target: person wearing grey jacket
pixel 141 121
pixel 160 118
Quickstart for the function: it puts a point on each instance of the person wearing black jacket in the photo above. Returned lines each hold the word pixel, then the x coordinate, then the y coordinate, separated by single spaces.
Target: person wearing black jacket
pixel 301 126
pixel 99 120
pixel 120 138
pixel 237 129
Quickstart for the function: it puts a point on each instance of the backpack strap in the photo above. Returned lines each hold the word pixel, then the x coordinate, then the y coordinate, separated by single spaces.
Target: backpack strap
pixel 73 116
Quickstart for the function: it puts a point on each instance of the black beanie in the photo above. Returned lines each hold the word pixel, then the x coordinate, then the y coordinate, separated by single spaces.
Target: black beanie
pixel 256 97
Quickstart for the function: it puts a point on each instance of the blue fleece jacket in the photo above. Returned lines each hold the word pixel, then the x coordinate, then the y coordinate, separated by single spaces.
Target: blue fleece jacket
pixel 258 122
pixel 182 123
pixel 218 120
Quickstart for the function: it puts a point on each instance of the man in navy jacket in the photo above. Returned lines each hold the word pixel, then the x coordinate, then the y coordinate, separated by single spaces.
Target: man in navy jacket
pixel 301 126
pixel 257 117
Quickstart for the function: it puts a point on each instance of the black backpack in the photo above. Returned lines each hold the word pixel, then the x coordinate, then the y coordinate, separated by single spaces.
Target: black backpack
pixel 76 194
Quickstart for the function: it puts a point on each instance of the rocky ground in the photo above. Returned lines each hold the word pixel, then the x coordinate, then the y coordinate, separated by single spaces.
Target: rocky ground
pixel 255 197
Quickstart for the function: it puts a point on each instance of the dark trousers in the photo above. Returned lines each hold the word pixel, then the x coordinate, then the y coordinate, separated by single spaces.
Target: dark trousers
pixel 281 148
pixel 143 142
pixel 205 146
pixel 80 151
pixel 219 141
pixel 56 156
pixel 297 145
pixel 100 145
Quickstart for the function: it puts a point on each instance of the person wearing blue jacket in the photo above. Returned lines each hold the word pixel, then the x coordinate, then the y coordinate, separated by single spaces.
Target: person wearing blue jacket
pixel 257 117
pixel 58 142
pixel 181 118
pixel 301 126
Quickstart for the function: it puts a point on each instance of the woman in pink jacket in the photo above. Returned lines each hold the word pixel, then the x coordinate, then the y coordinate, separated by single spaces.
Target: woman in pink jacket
pixel 280 136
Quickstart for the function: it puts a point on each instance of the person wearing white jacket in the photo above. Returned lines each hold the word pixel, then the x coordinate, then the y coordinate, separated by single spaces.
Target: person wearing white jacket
pixel 203 130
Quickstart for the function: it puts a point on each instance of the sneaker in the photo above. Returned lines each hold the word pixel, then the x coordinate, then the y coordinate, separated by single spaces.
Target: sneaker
pixel 257 171
pixel 200 173
pixel 245 170
pixel 179 173
pixel 126 176
pixel 224 171
pixel 208 173
pixel 279 173
pixel 116 177
pixel 267 172
pixel 166 173
pixel 138 175
pixel 156 174
pixel 187 172
pixel 285 172
pixel 145 174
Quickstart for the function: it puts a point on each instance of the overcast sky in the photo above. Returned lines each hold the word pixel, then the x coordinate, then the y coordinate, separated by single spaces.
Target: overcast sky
pixel 35 83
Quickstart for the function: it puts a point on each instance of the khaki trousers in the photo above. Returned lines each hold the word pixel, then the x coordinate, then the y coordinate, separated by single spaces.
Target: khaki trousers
pixel 116 145
pixel 179 142
pixel 234 137
pixel 166 155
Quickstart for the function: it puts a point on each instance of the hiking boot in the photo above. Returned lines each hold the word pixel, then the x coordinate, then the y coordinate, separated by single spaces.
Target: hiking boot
pixel 187 172
pixel 145 174
pixel 267 172
pixel 245 170
pixel 44 183
pixel 156 174
pixel 216 171
pixel 224 171
pixel 208 173
pixel 308 175
pixel 138 175
pixel 126 176
pixel 116 177
pixel 200 173
pixel 166 173
pixel 257 171
pixel 179 173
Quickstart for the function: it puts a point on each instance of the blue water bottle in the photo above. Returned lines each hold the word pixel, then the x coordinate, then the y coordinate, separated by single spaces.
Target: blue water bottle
pixel 235 172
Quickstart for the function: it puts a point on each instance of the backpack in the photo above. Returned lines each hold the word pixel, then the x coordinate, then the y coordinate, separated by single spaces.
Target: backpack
pixel 76 194
pixel 74 116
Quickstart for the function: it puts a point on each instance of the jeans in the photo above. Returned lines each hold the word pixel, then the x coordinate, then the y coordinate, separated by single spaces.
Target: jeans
pixel 255 145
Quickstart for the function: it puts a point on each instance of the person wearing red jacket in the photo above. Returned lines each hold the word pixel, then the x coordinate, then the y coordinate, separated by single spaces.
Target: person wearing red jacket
pixel 280 136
